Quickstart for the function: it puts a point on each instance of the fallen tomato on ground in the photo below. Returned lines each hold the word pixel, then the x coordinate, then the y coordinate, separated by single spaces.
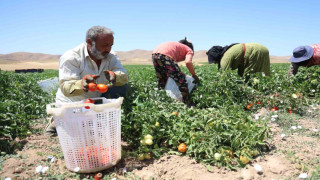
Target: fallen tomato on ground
pixel 182 147
pixel 244 160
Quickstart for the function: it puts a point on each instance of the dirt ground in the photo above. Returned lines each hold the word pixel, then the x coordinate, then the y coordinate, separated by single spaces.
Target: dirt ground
pixel 291 154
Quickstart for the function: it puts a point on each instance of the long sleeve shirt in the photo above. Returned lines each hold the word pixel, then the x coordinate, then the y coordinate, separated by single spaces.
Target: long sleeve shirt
pixel 255 59
pixel 76 63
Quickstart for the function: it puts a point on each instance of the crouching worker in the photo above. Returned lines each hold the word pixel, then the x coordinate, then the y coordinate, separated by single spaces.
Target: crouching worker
pixel 90 62
pixel 247 58
pixel 165 58
pixel 306 56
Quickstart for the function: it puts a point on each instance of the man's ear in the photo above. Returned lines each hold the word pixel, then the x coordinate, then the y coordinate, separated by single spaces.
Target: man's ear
pixel 89 41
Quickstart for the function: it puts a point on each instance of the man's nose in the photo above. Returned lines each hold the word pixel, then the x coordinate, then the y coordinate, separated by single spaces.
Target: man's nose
pixel 108 49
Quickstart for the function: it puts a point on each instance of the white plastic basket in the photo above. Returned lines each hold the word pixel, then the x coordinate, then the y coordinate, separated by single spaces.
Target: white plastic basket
pixel 90 138
pixel 173 91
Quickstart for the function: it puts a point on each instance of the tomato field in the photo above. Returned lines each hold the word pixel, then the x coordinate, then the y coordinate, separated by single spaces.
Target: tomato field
pixel 224 129
pixel 221 129
pixel 21 102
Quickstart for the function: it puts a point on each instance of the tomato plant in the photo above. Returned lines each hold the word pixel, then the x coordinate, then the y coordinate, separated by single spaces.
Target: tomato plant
pixel 219 124
pixel 22 102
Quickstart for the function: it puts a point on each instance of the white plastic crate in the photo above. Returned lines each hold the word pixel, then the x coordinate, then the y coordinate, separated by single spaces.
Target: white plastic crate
pixel 173 91
pixel 90 138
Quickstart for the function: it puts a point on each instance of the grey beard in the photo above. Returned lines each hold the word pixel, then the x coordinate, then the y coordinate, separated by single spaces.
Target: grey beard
pixel 96 53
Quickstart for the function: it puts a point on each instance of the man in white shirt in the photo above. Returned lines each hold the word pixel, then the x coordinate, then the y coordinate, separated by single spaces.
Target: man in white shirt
pixel 88 62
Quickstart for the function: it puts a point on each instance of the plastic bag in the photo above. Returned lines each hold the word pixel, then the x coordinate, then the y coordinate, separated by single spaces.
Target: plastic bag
pixel 173 91
pixel 49 85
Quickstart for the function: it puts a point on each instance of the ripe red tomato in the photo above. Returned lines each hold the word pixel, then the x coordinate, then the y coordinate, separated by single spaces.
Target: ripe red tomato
pixel 182 147
pixel 102 88
pixel 92 86
pixel 175 113
pixel 299 95
pixel 275 108
pixel 98 176
pixel 88 101
pixel 249 106
pixel 258 102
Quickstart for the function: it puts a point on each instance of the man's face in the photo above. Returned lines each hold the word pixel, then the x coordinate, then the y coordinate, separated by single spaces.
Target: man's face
pixel 101 47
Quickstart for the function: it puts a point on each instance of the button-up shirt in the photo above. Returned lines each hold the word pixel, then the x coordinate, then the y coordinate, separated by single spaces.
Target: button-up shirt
pixel 76 63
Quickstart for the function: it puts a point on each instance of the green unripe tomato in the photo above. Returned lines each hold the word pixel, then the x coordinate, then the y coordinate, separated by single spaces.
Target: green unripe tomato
pixel 149 141
pixel 141 157
pixel 148 136
pixel 147 156
pixel 217 156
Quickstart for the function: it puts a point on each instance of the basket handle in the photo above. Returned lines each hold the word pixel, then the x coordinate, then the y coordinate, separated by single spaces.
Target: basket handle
pixel 54 110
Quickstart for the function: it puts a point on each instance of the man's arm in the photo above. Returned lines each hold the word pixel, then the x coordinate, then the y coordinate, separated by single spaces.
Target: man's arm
pixel 69 76
pixel 293 70
pixel 121 76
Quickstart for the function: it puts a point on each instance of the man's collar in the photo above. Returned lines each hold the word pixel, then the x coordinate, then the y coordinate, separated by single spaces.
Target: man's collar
pixel 86 53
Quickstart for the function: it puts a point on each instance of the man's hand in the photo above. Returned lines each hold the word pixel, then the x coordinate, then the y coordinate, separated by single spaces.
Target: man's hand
pixel 86 80
pixel 110 76
pixel 196 79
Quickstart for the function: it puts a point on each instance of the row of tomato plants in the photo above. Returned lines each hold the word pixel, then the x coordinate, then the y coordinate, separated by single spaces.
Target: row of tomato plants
pixel 220 130
pixel 22 102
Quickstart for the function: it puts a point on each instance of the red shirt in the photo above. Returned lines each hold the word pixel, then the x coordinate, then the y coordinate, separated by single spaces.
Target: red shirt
pixel 315 60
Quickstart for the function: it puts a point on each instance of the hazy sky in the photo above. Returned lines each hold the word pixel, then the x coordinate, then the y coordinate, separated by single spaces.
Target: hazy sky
pixel 54 26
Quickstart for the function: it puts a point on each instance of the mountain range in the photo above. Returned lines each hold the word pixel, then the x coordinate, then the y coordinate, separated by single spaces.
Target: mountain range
pixel 137 56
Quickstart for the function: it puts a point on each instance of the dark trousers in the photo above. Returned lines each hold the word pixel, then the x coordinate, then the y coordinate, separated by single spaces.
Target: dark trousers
pixel 116 91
